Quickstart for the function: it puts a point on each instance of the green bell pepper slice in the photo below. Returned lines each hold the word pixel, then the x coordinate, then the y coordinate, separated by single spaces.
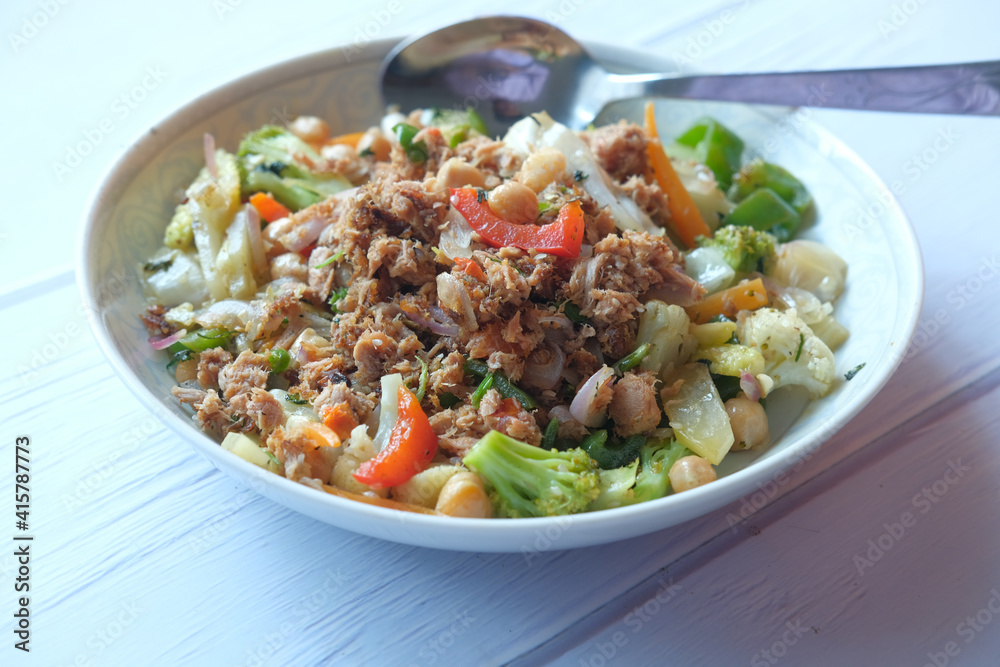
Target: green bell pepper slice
pixel 766 211
pixel 717 147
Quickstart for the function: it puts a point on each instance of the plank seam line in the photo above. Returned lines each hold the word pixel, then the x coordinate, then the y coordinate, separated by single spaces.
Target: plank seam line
pixel 727 539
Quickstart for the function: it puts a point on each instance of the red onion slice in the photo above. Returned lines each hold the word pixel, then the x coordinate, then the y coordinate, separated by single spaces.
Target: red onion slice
pixel 166 341
pixel 750 386
pixel 544 366
pixel 209 145
pixel 584 407
pixel 432 325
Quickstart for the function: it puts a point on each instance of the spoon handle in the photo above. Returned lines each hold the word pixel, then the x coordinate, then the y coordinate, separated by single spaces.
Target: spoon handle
pixel 967 88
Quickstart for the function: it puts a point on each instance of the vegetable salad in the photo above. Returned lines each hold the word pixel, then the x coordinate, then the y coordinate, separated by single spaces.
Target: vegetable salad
pixel 425 317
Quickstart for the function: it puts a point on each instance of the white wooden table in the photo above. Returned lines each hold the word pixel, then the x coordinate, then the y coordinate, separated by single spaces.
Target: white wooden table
pixel 883 549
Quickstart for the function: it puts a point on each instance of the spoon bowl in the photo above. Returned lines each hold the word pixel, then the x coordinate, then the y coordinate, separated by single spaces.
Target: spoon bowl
pixel 506 67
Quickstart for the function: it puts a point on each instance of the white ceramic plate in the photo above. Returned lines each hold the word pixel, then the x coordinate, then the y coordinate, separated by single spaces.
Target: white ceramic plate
pixel 857 217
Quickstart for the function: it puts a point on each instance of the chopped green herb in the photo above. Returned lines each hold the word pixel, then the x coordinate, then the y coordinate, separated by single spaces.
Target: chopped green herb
pixel 448 400
pixel 234 418
pixel 572 311
pixel 481 195
pixel 335 296
pixel 153 267
pixel 183 355
pixel 484 386
pixel 336 257
pixel 366 152
pixel 285 320
pixel 802 341
pixel 507 389
pixel 549 437
pixel 580 177
pixel 633 359
pixel 296 399
pixel 279 359
pixel 422 389
pixel 544 206
pixel 270 455
pixel 849 375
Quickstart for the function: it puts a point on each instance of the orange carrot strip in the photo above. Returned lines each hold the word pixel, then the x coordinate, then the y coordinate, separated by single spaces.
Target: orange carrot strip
pixel 380 502
pixel 687 221
pixel 350 139
pixel 748 295
pixel 339 419
pixel 269 208
pixel 471 268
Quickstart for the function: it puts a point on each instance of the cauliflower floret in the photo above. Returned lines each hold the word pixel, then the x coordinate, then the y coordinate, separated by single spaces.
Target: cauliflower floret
pixel 359 449
pixel 793 354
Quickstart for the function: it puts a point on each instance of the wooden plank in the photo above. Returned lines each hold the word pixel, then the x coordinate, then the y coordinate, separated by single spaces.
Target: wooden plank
pixel 882 562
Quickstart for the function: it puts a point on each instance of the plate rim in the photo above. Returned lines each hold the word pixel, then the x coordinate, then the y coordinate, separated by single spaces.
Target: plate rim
pixel 423 530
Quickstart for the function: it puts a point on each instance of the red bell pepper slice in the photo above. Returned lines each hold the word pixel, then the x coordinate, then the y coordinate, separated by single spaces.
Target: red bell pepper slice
pixel 561 238
pixel 412 444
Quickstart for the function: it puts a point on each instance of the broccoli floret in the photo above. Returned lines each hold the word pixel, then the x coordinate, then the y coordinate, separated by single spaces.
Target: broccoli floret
pixel 644 479
pixel 657 457
pixel 530 481
pixel 746 249
pixel 274 160
pixel 793 354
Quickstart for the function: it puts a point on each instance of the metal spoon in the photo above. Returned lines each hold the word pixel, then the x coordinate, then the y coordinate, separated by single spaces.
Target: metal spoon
pixel 507 67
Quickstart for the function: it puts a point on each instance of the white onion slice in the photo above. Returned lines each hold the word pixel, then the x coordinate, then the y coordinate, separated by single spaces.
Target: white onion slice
pixel 583 407
pixel 256 241
pixel 208 143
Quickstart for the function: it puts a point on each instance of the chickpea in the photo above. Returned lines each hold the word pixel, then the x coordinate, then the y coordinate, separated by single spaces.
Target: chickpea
pixel 457 173
pixel 541 168
pixel 186 370
pixel 514 202
pixel 690 472
pixel 463 495
pixel 748 421
pixel 310 129
pixel 373 142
